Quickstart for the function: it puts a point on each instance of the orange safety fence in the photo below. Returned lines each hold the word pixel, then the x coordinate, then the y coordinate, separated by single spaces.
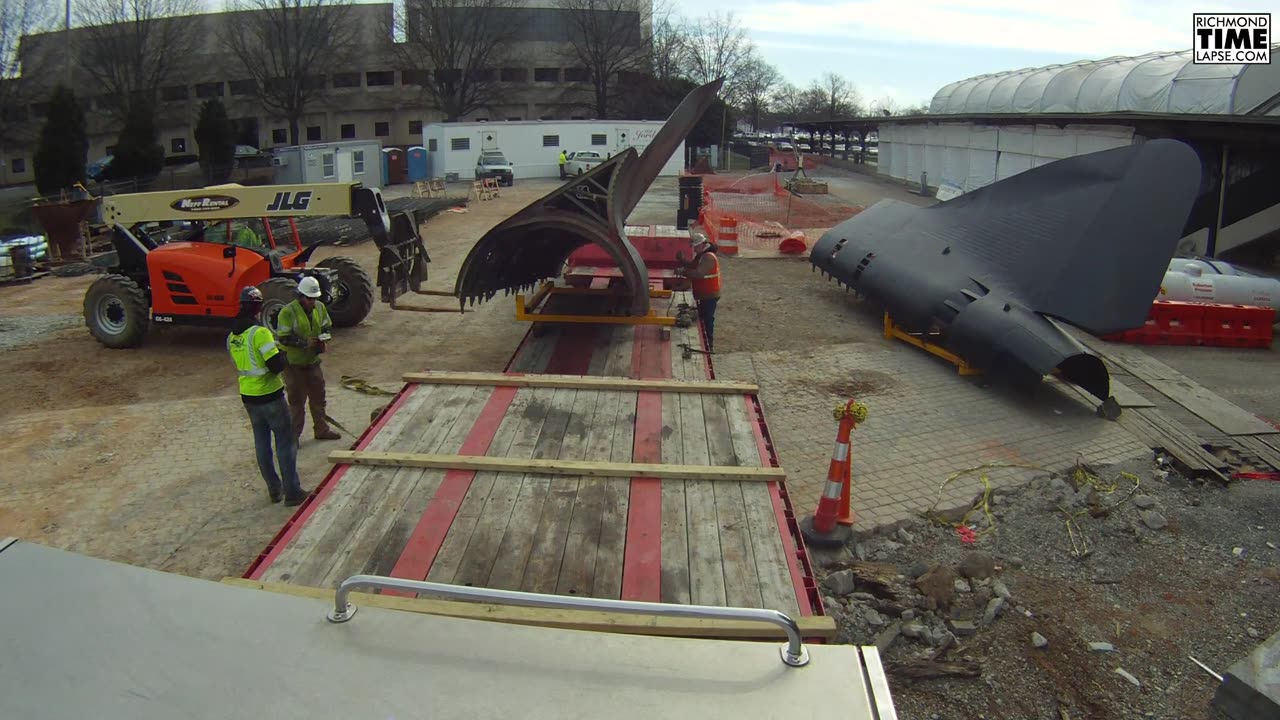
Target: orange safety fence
pixel 755 216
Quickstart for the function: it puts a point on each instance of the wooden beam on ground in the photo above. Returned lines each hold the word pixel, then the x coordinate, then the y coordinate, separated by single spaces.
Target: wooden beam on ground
pixel 546 466
pixel 580 382
pixel 811 627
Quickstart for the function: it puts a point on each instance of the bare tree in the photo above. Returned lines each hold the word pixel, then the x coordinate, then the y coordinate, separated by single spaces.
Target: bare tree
pixel 717 47
pixel 669 48
pixel 838 96
pixel 131 47
pixel 286 47
pixel 756 84
pixel 607 38
pixel 457 50
pixel 18 18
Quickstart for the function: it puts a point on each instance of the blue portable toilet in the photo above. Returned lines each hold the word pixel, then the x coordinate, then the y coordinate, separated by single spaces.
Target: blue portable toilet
pixel 386 166
pixel 418 164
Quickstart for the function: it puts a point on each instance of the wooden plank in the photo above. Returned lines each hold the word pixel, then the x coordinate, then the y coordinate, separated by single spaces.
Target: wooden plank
pixel 336 543
pixel 385 531
pixel 773 572
pixel 619 361
pixel 485 540
pixel 549 466
pixel 741 587
pixel 1170 436
pixel 1262 450
pixel 577 572
pixel 616 504
pixel 542 573
pixel 706 575
pixel 536 351
pixel 305 542
pixel 675 534
pixel 582 382
pixel 1219 412
pixel 517 540
pixel 589 620
pixel 1126 395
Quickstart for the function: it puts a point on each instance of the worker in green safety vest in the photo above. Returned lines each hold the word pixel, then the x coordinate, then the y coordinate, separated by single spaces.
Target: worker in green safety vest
pixel 258 364
pixel 303 328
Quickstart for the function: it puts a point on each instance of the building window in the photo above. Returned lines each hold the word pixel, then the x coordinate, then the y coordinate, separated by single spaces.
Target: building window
pixel 346 79
pixel 546 74
pixel 414 77
pixel 313 133
pixel 514 119
pixel 178 145
pixel 381 129
pixel 205 91
pixel 313 82
pixel 514 75
pixel 326 165
pixel 243 87
pixel 550 141
pixel 484 75
pixel 575 74
pixel 415 127
pixel 348 130
pixel 460 144
pixel 599 139
pixel 374 78
pixel 111 150
pixel 18 165
pixel 432 146
pixel 174 92
pixel 357 162
pixel 279 136
pixel 577 117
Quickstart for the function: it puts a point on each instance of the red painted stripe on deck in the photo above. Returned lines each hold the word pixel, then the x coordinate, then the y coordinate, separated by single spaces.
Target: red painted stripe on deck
pixel 574 347
pixel 642 557
pixel 330 481
pixel 796 559
pixel 428 536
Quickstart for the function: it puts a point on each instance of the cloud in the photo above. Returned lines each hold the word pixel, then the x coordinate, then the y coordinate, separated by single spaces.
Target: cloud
pixel 1082 28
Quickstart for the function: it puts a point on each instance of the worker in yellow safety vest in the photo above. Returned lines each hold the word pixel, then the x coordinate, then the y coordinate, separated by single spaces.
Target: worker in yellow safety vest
pixel 303 328
pixel 704 270
pixel 564 158
pixel 258 364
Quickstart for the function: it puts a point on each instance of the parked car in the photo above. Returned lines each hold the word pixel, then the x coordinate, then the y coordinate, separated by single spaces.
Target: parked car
pixel 246 151
pixel 493 164
pixel 98 169
pixel 582 161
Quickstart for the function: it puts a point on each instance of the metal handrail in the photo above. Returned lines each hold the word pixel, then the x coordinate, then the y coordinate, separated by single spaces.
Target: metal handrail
pixel 794 653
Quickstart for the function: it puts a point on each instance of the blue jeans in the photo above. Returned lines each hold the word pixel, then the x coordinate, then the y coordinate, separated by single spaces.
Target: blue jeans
pixel 270 419
pixel 707 314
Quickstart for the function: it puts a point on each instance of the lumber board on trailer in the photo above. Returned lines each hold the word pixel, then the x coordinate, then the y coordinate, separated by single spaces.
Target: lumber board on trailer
pixel 547 466
pixel 582 382
pixel 592 620
pixel 1226 416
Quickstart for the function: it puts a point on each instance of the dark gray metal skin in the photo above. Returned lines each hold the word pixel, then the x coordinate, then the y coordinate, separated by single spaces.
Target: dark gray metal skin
pixel 533 244
pixel 1085 240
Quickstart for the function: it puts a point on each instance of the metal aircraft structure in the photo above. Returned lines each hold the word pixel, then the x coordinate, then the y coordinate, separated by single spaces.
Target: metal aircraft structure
pixel 534 243
pixel 1084 240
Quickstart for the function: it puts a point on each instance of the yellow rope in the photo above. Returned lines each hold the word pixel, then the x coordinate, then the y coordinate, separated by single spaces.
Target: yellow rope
pixel 855 409
pixel 984 503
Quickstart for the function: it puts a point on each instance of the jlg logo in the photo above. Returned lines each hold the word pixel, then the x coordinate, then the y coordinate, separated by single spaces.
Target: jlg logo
pixel 285 201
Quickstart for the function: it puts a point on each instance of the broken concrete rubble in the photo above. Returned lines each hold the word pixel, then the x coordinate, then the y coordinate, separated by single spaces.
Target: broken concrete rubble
pixel 840 583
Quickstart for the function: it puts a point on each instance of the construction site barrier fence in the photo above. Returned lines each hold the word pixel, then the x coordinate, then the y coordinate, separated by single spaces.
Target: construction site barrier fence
pixel 1184 323
pixel 757 216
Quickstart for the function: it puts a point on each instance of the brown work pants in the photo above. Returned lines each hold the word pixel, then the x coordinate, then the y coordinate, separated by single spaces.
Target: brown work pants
pixel 305 384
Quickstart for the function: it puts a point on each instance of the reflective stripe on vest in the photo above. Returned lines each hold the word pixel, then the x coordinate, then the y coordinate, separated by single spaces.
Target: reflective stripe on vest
pixel 295 320
pixel 709 285
pixel 250 361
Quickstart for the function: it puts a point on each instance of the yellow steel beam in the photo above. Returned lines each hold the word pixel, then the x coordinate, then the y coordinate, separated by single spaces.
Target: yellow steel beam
pixel 229 201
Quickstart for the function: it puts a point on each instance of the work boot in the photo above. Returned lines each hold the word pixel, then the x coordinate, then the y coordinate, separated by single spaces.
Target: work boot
pixel 296 500
pixel 327 434
pixel 275 496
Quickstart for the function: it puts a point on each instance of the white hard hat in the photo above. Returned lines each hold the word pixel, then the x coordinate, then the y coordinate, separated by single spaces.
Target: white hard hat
pixel 310 287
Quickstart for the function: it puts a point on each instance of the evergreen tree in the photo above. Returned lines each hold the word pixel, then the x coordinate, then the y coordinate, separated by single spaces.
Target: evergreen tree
pixel 215 135
pixel 64 145
pixel 138 151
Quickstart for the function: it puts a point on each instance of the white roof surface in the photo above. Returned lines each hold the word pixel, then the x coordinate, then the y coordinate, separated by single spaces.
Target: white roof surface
pixel 1156 83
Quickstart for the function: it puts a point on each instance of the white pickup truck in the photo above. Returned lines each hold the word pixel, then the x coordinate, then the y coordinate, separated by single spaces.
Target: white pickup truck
pixel 582 161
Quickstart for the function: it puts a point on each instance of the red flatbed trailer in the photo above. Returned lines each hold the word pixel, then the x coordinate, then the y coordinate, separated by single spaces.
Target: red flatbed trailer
pixel 703 542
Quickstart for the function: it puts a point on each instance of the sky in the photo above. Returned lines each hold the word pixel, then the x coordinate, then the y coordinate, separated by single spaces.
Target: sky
pixel 909 49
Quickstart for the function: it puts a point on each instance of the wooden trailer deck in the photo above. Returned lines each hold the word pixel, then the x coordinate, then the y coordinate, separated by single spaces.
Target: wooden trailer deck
pixel 709 541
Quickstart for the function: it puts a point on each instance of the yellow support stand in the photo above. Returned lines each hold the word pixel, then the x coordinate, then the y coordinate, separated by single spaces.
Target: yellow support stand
pixel 525 308
pixel 893 332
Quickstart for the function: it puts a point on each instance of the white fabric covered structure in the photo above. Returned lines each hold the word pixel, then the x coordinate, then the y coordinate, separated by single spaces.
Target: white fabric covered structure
pixel 1155 83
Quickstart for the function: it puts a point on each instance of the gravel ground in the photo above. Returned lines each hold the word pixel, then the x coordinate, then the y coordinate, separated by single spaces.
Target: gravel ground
pixel 16 332
pixel 1156 596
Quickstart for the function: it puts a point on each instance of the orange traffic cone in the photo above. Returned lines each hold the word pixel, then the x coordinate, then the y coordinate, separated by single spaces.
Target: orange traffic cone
pixel 829 525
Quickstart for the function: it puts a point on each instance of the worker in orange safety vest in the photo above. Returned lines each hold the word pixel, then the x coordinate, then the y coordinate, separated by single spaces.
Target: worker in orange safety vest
pixel 703 269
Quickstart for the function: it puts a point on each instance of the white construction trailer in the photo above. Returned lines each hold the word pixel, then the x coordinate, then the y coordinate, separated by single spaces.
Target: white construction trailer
pixel 351 161
pixel 533 146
